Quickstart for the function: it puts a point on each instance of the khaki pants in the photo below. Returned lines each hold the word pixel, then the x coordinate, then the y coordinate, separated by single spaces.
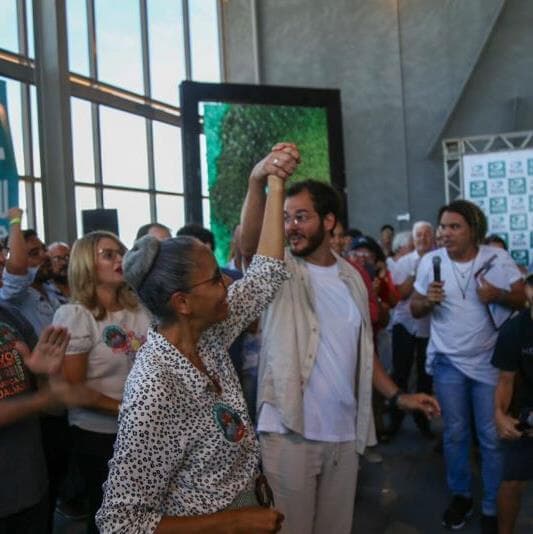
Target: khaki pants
pixel 313 482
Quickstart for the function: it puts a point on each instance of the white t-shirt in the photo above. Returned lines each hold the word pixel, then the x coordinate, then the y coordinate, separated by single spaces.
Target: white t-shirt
pixel 111 345
pixel 329 398
pixel 461 327
pixel 405 267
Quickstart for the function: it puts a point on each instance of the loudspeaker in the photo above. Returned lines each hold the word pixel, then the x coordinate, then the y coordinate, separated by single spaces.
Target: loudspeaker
pixel 99 220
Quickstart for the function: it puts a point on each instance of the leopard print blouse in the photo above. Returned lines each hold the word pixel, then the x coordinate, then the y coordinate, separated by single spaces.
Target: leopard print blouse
pixel 182 447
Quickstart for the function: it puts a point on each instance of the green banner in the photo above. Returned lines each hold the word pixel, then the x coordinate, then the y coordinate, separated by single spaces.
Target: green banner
pixel 9 189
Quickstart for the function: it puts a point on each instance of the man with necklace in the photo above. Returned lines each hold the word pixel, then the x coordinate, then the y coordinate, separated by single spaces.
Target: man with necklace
pixel 461 343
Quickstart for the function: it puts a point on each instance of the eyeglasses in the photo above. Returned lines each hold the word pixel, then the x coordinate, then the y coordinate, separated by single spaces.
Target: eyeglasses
pixel 298 218
pixel 217 279
pixel 110 254
pixel 58 259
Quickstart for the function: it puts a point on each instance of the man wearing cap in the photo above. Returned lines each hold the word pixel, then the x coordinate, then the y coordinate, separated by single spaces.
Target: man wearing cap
pixel 513 356
pixel 317 363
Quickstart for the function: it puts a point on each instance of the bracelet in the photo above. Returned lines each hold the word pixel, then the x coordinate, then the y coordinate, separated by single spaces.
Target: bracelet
pixel 16 220
pixel 393 401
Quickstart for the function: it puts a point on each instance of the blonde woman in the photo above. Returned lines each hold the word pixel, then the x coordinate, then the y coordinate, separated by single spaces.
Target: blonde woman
pixel 107 327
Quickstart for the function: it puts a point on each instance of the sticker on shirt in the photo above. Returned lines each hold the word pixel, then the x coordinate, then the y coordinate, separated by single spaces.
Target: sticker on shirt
pixel 118 340
pixel 13 379
pixel 229 421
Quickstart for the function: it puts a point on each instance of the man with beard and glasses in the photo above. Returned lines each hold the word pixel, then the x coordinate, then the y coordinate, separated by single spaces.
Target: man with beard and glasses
pixel 317 362
pixel 59 254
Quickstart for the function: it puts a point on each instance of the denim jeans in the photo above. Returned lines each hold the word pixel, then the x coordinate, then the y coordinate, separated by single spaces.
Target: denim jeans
pixel 461 397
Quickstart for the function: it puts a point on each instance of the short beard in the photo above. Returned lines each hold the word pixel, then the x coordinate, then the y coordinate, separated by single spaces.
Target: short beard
pixel 314 241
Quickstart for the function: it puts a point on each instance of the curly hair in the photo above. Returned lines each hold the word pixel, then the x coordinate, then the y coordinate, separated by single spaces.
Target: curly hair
pixel 473 216
pixel 325 198
pixel 82 276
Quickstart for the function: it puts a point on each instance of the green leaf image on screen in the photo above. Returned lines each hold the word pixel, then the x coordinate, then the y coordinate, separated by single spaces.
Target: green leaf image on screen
pixel 519 221
pixel 517 186
pixel 498 205
pixel 238 136
pixel 478 188
pixel 497 169
pixel 521 257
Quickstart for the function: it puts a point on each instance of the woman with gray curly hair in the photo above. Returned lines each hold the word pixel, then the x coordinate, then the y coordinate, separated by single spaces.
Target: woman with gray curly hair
pixel 186 457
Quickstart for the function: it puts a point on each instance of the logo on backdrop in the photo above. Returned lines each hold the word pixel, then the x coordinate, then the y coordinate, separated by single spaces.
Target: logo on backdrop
pixel 498 205
pixel 519 221
pixel 497 187
pixel 477 170
pixel 517 204
pixel 516 168
pixel 520 256
pixel 498 223
pixel 497 169
pixel 478 188
pixel 517 186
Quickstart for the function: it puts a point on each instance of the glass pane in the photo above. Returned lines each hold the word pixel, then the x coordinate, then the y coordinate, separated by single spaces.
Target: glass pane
pixel 124 153
pixel 206 212
pixel 82 140
pixel 22 202
pixel 35 132
pixel 171 212
pixel 205 58
pixel 118 43
pixel 167 158
pixel 8 25
pixel 39 215
pixel 31 39
pixel 203 166
pixel 78 51
pixel 133 211
pixel 85 200
pixel 167 54
pixel 14 116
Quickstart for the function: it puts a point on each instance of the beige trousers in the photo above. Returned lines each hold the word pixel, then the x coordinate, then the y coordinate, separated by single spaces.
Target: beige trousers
pixel 313 482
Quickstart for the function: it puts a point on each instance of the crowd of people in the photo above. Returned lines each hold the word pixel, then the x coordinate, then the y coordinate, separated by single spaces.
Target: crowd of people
pixel 160 392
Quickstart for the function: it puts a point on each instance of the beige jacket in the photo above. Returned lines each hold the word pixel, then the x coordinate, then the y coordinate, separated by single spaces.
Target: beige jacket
pixel 290 336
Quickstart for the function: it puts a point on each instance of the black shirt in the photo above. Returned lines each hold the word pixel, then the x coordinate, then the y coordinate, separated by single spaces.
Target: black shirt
pixel 514 353
pixel 22 466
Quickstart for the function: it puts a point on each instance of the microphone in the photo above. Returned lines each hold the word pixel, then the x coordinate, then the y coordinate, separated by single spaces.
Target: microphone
pixel 436 268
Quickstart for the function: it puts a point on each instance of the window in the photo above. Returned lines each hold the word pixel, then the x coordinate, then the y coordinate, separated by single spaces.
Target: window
pixel 126 61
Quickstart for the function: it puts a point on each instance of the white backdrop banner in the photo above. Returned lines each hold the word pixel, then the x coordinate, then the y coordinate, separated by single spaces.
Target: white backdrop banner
pixel 501 184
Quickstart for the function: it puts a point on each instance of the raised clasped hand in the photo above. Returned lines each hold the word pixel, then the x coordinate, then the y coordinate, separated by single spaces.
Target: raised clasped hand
pixel 281 162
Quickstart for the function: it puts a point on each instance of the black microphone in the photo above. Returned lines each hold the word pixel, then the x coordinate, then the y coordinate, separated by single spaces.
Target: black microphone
pixel 436 268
